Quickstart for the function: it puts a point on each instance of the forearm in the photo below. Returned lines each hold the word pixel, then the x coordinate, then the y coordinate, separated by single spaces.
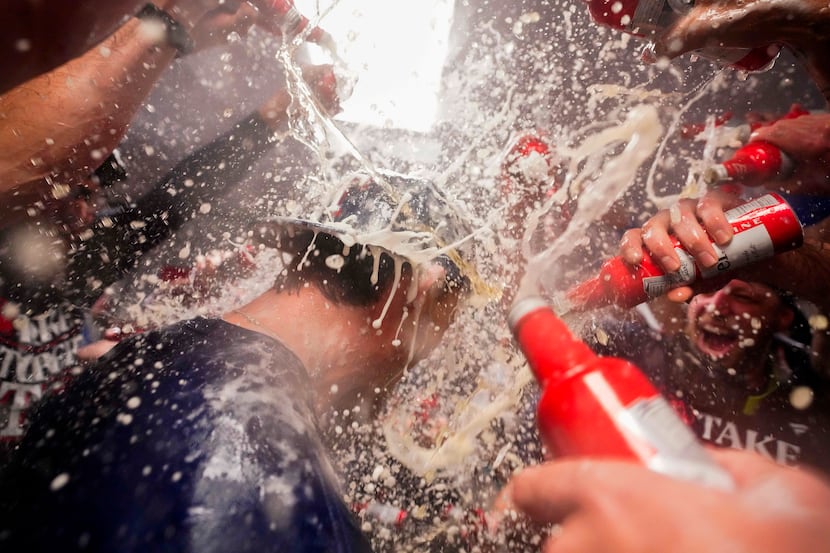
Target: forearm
pixel 807 32
pixel 817 62
pixel 54 32
pixel 64 123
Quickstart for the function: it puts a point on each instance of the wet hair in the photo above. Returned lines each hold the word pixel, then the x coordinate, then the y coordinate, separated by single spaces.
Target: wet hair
pixel 797 347
pixel 344 274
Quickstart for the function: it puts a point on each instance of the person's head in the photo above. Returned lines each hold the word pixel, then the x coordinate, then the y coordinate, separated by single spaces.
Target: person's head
pixel 384 251
pixel 736 325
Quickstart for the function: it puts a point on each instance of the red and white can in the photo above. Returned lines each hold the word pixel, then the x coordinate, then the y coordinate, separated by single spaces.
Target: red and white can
pixel 762 228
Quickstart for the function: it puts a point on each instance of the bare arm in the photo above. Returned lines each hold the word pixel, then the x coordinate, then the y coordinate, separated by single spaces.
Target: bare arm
pixel 40 35
pixel 806 140
pixel 804 26
pixel 65 122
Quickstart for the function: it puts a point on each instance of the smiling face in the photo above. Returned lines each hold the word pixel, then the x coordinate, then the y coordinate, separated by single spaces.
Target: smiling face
pixel 735 325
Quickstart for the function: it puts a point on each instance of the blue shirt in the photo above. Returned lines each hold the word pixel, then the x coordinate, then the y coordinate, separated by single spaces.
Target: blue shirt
pixel 199 437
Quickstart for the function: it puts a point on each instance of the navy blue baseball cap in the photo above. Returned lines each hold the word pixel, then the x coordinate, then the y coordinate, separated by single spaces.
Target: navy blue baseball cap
pixel 403 215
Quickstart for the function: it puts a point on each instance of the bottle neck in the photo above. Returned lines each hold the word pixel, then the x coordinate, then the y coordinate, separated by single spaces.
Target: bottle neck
pixel 551 349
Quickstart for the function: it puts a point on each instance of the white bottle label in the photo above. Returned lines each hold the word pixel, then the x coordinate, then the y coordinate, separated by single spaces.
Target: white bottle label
pixel 746 247
pixel 675 450
pixel 657 435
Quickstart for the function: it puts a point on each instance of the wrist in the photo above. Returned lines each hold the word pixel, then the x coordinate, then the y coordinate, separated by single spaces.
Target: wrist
pixel 175 34
pixel 187 13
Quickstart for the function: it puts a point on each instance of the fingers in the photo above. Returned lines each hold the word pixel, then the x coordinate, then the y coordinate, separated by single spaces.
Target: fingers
pixel 681 294
pixel 685 35
pixel 710 210
pixel 656 238
pixel 744 466
pixel 717 24
pixel 804 137
pixel 631 246
pixel 694 224
pixel 751 471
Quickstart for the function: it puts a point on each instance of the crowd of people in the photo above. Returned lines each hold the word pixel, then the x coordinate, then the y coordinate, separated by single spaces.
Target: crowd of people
pixel 211 434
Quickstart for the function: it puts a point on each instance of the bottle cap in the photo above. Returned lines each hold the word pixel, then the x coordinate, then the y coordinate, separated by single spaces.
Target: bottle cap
pixel 522 307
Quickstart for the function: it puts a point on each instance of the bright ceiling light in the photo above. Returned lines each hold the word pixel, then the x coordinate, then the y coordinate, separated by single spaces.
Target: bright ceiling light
pixel 396 49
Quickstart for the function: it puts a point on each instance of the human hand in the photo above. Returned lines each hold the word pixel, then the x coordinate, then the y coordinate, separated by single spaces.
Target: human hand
pixel 739 24
pixel 612 506
pixel 803 26
pixel 806 139
pixel 694 222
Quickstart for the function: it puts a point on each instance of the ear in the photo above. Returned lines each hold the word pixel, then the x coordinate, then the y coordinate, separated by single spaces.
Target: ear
pixel 438 304
pixel 431 280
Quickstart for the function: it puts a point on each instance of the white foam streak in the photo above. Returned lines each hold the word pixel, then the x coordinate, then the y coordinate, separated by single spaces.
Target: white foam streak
pixel 598 186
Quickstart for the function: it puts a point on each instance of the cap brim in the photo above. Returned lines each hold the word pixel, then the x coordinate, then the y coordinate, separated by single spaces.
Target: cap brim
pixel 271 233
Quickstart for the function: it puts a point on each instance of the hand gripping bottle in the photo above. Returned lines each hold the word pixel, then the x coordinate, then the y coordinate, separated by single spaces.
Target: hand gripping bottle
pixel 646 18
pixel 742 129
pixel 756 162
pixel 762 228
pixel 603 406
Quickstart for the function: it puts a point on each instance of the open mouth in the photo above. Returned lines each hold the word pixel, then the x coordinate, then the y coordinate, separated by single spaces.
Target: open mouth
pixel 716 341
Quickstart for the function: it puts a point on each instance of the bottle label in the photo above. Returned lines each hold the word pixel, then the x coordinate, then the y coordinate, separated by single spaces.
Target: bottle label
pixel 767 200
pixel 746 247
pixel 757 228
pixel 656 286
pixel 671 447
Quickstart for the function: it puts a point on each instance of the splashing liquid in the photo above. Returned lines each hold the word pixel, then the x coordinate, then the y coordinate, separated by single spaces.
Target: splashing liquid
pixel 479 432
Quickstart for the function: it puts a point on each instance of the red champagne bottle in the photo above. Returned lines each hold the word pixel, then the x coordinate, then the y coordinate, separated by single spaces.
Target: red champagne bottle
pixel 603 406
pixel 754 164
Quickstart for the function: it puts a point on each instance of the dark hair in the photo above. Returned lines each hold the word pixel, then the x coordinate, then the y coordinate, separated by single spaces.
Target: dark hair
pixel 350 278
pixel 343 274
pixel 797 347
